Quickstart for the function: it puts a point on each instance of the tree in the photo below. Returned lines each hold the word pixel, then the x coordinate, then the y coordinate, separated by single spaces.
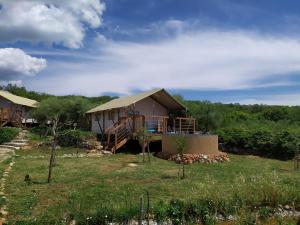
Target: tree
pixel 54 112
pixel 181 143
pixel 75 110
pixel 206 114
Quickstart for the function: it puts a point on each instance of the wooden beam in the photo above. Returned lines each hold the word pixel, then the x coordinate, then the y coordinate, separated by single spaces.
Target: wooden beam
pixel 103 120
pixel 97 118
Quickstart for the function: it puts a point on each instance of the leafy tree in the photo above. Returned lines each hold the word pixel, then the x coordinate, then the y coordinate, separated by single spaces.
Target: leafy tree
pixel 206 114
pixel 275 113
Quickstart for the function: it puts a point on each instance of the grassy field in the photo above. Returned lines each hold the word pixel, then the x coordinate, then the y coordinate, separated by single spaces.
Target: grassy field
pixel 81 187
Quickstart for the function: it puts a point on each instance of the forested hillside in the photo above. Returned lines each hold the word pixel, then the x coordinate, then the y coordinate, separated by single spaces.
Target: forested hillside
pixel 271 131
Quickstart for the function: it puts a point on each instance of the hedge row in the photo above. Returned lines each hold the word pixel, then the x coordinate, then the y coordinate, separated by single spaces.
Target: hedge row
pixel 7 134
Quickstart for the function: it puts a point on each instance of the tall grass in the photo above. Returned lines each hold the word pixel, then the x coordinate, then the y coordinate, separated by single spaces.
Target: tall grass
pixel 102 190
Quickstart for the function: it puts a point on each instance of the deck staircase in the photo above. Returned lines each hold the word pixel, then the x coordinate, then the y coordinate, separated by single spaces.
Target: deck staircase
pixel 118 135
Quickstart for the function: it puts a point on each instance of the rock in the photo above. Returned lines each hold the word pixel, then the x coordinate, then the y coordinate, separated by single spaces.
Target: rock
pixel 132 165
pixel 93 151
pixel 230 217
pixel 220 217
pixel 106 152
pixel 287 207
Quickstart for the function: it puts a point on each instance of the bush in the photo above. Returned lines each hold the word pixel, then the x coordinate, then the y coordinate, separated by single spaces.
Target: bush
pixel 41 130
pixel 73 138
pixel 263 140
pixel 7 134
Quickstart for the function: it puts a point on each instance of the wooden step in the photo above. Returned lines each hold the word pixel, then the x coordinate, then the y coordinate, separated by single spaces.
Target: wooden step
pixel 9 147
pixel 119 145
pixel 16 144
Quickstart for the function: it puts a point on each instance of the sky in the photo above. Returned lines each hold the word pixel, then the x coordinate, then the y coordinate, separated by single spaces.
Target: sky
pixel 230 51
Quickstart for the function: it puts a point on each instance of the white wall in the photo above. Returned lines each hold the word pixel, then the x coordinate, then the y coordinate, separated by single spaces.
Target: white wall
pixel 150 107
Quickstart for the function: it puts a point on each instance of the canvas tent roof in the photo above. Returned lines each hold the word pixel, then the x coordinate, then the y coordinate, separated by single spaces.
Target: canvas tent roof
pixel 18 100
pixel 159 95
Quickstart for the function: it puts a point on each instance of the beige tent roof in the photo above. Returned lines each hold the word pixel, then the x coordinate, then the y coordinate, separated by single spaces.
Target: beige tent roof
pixel 18 100
pixel 159 95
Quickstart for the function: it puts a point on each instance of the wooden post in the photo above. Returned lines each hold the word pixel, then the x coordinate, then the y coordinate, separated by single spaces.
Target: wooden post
pixel 108 140
pixel 174 125
pixel 141 210
pixel 148 207
pixel 180 125
pixel 148 148
pixel 143 147
pixel 103 120
pixel 143 123
pixel 194 126
pixel 116 139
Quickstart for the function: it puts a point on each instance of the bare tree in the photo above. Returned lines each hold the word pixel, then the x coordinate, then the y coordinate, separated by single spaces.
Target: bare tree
pixel 54 113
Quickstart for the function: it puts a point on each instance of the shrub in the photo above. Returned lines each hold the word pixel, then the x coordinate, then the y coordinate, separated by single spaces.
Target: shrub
pixel 265 213
pixel 176 211
pixel 40 130
pixel 7 134
pixel 160 211
pixel 246 218
pixel 263 140
pixel 73 138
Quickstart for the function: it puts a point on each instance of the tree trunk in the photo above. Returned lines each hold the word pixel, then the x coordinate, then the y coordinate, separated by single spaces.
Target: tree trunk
pixel 148 148
pixel 143 149
pixel 53 148
pixel 52 159
pixel 141 216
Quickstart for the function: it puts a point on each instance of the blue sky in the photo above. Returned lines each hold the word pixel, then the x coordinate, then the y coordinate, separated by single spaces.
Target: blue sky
pixel 218 50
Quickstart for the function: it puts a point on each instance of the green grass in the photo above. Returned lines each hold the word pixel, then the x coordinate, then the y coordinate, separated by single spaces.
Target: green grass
pixel 82 186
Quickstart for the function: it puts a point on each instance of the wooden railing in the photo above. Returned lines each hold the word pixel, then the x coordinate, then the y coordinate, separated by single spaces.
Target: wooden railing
pixel 156 124
pixel 150 124
pixel 119 134
pixel 184 125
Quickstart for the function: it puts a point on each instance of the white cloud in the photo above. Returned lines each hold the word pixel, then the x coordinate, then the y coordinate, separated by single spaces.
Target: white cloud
pixel 285 99
pixel 202 60
pixel 15 64
pixel 50 21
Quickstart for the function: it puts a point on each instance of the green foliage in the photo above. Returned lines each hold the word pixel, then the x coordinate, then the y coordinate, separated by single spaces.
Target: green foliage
pixel 246 218
pixel 265 212
pixel 181 143
pixel 176 211
pixel 69 112
pixel 73 138
pixel 7 134
pixel 271 131
pixel 85 186
pixel 23 92
pixel 275 113
pixel 279 142
pixel 208 118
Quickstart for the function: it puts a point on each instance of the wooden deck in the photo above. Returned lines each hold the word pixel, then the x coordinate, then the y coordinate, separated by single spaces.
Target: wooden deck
pixel 149 127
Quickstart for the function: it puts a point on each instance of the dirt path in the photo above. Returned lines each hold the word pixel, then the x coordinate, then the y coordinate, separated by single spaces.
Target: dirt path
pixel 8 149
